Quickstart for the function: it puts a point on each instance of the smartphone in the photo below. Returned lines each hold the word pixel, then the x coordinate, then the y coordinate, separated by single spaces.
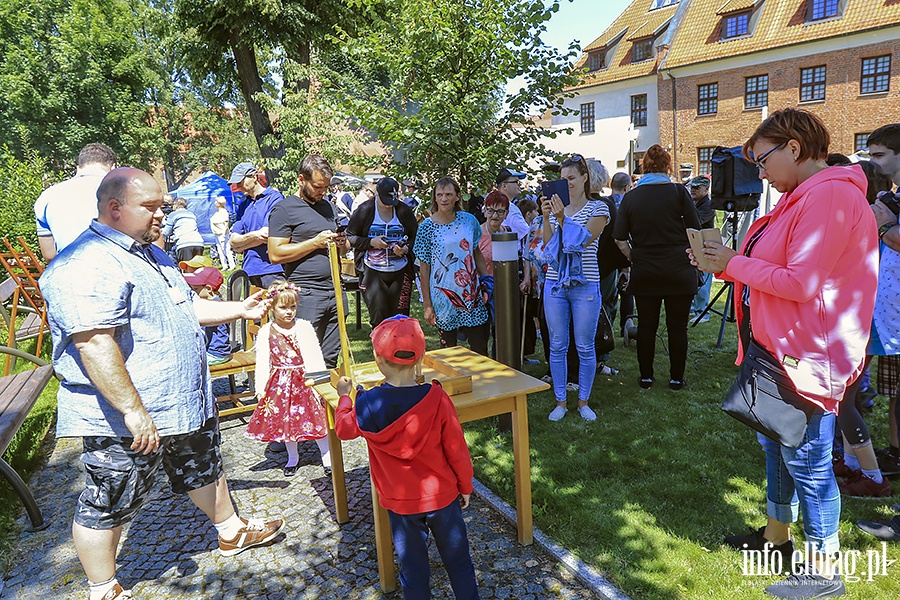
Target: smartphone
pixel 560 187
pixel 340 229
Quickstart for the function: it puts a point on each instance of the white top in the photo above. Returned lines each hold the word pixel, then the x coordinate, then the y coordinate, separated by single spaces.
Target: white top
pixel 218 223
pixel 66 209
pixel 516 222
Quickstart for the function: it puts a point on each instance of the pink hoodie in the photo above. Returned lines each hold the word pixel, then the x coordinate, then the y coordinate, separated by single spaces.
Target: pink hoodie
pixel 812 278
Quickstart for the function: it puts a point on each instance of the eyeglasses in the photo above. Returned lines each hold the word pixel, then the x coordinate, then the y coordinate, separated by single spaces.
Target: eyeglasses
pixel 574 159
pixel 761 161
pixel 494 211
pixel 515 181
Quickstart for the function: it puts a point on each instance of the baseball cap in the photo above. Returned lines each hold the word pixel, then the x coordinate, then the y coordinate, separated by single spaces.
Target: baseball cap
pixel 399 340
pixel 699 181
pixel 388 191
pixel 242 170
pixel 210 276
pixel 195 263
pixel 508 173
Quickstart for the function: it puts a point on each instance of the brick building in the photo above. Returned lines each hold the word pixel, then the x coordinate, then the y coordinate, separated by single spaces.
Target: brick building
pixel 720 66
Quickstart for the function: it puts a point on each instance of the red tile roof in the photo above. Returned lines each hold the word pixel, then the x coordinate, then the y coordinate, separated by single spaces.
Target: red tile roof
pixel 781 23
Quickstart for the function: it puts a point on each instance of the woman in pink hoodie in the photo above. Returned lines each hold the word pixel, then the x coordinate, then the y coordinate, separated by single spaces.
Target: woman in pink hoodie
pixel 805 279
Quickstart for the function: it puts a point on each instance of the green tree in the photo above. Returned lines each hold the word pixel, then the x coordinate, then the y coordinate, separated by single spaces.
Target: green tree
pixel 448 61
pixel 21 182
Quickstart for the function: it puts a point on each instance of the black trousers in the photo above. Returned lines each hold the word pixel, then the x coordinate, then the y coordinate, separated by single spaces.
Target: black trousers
pixel 386 293
pixel 319 308
pixel 678 309
pixel 477 337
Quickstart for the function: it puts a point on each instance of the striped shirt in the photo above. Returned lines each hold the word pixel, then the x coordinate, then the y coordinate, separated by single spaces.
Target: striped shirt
pixel 593 208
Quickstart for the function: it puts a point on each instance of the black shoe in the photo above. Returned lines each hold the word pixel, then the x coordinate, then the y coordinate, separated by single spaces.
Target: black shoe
pixel 755 541
pixel 290 471
pixel 327 471
pixel 276 447
pixel 883 530
pixel 804 584
pixel 646 383
pixel 676 384
pixel 888 462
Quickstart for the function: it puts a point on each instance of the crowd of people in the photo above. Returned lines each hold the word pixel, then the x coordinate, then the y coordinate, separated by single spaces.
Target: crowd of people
pixel 814 283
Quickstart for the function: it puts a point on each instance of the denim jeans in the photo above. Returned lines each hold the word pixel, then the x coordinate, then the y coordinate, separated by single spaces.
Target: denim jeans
pixel 802 478
pixel 410 535
pixel 581 304
pixel 701 298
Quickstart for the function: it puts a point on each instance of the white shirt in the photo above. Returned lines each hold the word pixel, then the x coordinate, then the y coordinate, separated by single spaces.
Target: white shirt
pixel 66 209
pixel 515 221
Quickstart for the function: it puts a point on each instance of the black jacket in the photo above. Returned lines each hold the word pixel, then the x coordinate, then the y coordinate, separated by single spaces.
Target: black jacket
pixel 361 220
pixel 609 257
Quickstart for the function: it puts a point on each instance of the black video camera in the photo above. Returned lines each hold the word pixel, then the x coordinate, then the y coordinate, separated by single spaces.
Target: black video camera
pixel 889 199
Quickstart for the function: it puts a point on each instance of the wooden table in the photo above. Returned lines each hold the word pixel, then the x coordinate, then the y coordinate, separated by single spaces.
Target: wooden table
pixel 496 389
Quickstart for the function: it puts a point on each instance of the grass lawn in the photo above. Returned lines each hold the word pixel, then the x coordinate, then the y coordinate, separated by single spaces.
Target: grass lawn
pixel 646 493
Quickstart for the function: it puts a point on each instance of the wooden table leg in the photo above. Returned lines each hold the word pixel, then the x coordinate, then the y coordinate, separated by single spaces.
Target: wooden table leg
pixel 522 467
pixel 338 480
pixel 384 546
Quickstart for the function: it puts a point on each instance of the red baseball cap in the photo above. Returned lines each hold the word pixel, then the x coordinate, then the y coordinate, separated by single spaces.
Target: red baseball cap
pixel 399 340
pixel 210 276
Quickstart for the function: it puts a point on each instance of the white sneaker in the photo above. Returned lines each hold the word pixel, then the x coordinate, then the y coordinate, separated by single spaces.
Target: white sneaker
pixel 557 413
pixel 586 413
pixel 571 387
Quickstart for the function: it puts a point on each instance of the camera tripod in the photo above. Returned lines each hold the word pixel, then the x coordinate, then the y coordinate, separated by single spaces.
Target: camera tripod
pixel 727 313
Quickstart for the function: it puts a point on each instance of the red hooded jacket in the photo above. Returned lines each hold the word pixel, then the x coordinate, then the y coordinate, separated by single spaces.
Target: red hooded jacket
pixel 420 463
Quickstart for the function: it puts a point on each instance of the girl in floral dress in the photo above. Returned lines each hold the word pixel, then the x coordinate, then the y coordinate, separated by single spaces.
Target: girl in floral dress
pixel 288 411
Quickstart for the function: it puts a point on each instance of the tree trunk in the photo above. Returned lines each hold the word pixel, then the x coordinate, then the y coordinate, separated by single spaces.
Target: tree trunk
pixel 300 54
pixel 251 84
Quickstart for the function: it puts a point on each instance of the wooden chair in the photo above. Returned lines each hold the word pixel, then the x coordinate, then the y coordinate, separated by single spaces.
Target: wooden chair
pixel 24 269
pixel 242 361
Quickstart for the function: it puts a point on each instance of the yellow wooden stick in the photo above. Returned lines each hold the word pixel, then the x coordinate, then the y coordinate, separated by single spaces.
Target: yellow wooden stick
pixel 346 365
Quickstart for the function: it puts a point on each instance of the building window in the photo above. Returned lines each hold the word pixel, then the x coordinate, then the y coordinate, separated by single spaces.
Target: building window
pixel 708 96
pixel 662 3
pixel 823 9
pixel 704 160
pixel 596 60
pixel 736 25
pixel 876 74
pixel 639 110
pixel 637 158
pixel 643 50
pixel 587 117
pixel 812 84
pixel 861 141
pixel 756 91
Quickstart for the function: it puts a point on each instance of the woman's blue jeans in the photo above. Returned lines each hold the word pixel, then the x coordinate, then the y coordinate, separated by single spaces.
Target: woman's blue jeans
pixel 581 304
pixel 802 478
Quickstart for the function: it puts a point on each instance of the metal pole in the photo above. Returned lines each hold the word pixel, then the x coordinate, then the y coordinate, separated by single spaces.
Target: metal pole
pixel 505 249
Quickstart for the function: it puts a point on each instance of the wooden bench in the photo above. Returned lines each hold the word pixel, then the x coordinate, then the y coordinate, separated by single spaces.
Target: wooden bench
pixel 31 325
pixel 18 393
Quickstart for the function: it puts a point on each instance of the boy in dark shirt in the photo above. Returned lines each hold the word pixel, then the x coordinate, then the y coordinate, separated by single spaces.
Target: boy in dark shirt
pixel 418 457
pixel 206 281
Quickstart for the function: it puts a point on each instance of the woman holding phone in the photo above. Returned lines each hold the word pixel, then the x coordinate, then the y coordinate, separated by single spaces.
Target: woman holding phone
pixel 572 288
pixel 382 232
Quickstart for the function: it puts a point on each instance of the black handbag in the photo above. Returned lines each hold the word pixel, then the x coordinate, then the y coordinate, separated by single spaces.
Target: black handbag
pixel 604 341
pixel 764 397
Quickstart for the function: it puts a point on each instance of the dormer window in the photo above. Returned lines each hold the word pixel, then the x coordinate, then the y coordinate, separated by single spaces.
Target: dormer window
pixel 736 25
pixel 596 60
pixel 662 3
pixel 643 50
pixel 823 9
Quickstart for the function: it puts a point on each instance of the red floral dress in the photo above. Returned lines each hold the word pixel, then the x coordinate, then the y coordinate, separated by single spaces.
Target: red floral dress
pixel 288 411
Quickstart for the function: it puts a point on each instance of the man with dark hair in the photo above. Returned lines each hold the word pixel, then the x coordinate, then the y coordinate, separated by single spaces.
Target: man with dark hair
pixel 250 233
pixel 137 404
pixel 300 228
pixel 66 209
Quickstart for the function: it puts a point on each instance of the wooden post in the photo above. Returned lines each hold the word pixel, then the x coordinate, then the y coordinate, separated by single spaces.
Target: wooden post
pixel 345 368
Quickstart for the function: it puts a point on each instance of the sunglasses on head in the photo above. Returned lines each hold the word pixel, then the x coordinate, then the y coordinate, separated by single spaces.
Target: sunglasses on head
pixel 572 160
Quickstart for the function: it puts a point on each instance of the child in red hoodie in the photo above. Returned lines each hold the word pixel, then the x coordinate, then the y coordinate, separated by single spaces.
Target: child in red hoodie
pixel 418 457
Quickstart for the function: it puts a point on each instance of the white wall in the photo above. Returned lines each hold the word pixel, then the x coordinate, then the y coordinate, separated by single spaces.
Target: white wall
pixel 612 110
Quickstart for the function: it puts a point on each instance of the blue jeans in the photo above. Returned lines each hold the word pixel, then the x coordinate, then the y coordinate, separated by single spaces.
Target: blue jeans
pixel 410 535
pixel 701 298
pixel 802 477
pixel 581 304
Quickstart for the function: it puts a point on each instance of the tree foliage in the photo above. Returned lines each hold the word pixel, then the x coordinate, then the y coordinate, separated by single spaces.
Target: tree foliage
pixel 445 110
pixel 21 182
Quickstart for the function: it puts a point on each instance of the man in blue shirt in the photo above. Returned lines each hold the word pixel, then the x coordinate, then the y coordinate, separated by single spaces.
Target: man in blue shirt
pixel 135 386
pixel 251 233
